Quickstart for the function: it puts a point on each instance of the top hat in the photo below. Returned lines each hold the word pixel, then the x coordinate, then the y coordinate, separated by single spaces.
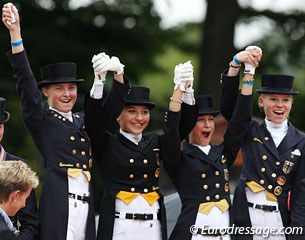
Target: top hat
pixel 277 83
pixel 139 95
pixel 205 105
pixel 64 72
pixel 4 115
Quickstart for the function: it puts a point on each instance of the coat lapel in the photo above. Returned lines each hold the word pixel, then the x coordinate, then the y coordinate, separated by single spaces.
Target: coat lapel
pixel 267 140
pixel 77 124
pixel 139 148
pixel 291 139
pixel 195 152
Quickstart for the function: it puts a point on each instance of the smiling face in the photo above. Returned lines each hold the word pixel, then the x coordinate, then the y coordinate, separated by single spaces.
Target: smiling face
pixel 61 97
pixel 203 130
pixel 277 107
pixel 134 119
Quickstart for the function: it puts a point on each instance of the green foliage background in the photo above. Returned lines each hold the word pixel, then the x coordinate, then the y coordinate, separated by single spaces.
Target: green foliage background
pixel 130 29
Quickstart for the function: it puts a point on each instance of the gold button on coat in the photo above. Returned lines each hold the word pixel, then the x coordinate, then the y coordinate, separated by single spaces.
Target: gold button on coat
pixel 277 163
pixel 72 138
pixel 217 185
pixel 263 169
pixel 145 161
pixel 83 140
pixel 262 181
pixel 145 190
pixel 131 176
pixel 270 187
pixel 131 160
pixel 145 175
pixel 132 189
pixel 205 187
pixel 217 196
pixel 217 173
pixel 77 165
pixel 74 151
pixel 83 153
pixel 85 166
pixel 264 157
pixel 203 175
pixel 208 198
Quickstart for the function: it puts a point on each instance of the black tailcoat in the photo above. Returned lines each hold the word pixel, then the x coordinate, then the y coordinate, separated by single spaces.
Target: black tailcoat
pixel 119 158
pixel 201 178
pixel 27 216
pixel 298 209
pixel 271 167
pixel 62 144
pixel 5 232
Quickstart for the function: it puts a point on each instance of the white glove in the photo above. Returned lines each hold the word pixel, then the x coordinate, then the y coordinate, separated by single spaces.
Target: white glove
pixel 98 63
pixel 249 68
pixel 109 64
pixel 13 20
pixel 183 77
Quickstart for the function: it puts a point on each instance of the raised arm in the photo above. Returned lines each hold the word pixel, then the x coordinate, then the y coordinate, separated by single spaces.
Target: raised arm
pixel 101 113
pixel 241 119
pixel 230 79
pixel 26 86
pixel 183 79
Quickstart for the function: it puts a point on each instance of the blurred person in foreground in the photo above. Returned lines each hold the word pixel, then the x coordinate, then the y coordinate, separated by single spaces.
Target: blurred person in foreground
pixel 26 221
pixel 17 181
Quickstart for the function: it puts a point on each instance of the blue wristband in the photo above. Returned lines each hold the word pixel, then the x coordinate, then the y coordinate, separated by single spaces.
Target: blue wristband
pixel 236 60
pixel 248 83
pixel 16 44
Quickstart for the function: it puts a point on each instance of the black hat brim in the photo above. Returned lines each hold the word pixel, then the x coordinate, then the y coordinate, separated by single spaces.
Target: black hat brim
pixel 277 91
pixel 212 112
pixel 6 117
pixel 46 83
pixel 150 105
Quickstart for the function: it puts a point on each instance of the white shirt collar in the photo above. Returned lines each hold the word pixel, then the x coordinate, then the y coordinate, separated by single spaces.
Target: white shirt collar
pixel 7 220
pixel 132 137
pixel 277 130
pixel 205 149
pixel 272 125
pixel 67 115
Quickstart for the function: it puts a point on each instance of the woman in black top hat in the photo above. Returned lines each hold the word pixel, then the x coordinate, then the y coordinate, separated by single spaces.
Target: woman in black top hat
pixel 129 160
pixel 201 175
pixel 27 217
pixel 271 152
pixel 66 206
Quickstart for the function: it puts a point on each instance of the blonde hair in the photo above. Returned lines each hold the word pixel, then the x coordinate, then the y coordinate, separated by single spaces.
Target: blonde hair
pixel 15 175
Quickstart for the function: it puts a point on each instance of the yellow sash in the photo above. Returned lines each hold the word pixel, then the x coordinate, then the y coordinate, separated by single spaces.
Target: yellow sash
pixel 75 172
pixel 128 197
pixel 206 207
pixel 255 187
